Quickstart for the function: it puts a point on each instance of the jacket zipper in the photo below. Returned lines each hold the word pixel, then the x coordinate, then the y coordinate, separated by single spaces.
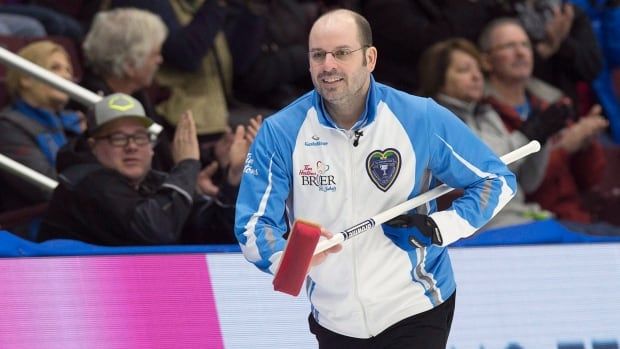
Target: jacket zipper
pixel 352 136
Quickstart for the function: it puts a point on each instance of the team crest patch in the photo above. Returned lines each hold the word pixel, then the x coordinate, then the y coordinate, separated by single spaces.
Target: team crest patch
pixel 383 167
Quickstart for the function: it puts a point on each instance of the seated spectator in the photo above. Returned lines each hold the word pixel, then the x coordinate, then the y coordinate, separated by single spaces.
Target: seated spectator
pixel 450 72
pixel 110 195
pixel 35 125
pixel 576 161
pixel 123 53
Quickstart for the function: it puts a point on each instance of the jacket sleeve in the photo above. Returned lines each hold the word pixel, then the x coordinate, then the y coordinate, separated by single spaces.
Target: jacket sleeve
pixel 157 217
pixel 461 160
pixel 212 219
pixel 18 146
pixel 260 221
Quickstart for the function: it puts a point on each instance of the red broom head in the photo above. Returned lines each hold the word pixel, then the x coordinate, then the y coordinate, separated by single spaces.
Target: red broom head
pixel 296 258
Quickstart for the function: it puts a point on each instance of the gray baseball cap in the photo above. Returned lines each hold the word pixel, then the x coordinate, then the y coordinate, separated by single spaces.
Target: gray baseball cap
pixel 116 106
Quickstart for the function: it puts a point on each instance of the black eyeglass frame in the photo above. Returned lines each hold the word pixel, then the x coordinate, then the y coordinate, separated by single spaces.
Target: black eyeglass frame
pixel 340 54
pixel 121 140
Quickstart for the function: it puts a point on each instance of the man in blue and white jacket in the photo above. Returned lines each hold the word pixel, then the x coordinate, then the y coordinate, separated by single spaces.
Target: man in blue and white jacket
pixel 346 151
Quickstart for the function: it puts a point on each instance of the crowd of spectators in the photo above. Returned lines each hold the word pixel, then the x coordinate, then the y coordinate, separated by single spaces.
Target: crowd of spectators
pixel 208 71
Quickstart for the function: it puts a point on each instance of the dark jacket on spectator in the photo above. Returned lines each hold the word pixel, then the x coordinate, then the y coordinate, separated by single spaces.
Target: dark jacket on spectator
pixel 99 206
pixel 579 58
pixel 31 137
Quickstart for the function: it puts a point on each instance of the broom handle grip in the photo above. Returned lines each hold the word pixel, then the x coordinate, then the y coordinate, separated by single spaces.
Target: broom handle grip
pixel 380 218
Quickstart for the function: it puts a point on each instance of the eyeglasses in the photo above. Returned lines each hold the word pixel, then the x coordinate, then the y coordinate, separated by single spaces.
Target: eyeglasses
pixel 122 140
pixel 513 45
pixel 341 54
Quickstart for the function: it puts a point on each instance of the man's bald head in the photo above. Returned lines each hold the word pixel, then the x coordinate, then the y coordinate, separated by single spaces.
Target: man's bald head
pixel 363 27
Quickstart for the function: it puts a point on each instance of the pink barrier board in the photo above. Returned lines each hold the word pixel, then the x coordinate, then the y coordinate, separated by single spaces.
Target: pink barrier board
pixel 147 301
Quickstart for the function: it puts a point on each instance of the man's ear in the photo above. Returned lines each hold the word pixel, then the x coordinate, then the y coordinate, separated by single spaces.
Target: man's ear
pixel 91 143
pixel 485 62
pixel 371 58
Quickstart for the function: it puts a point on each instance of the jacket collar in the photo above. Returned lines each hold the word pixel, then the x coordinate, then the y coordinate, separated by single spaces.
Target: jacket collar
pixel 367 116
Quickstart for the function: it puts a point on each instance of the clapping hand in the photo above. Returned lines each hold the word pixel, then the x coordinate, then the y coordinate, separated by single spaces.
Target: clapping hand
pixel 185 142
pixel 205 180
pixel 252 128
pixel 239 147
pixel 579 135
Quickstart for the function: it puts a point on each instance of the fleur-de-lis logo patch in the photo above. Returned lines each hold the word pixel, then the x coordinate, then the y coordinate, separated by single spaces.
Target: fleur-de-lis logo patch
pixel 383 167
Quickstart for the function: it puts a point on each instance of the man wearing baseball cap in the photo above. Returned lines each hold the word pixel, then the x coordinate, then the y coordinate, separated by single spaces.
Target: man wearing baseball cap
pixel 109 195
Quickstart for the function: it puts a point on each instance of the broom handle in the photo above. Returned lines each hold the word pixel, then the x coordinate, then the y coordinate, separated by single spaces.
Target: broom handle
pixel 380 218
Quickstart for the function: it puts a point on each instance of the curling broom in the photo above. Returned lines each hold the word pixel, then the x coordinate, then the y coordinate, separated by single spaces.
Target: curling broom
pixel 303 242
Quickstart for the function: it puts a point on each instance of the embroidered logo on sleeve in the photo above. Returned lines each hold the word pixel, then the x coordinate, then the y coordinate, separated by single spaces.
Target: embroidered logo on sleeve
pixel 383 167
pixel 249 165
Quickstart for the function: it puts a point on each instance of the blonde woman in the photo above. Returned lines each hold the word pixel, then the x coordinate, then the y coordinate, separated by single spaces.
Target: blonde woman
pixel 35 125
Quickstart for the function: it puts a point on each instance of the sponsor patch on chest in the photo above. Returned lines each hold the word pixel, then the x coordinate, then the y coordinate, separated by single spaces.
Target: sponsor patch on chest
pixel 317 175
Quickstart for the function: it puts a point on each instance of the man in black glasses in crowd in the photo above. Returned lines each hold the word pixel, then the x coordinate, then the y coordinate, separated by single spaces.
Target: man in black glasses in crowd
pixel 109 195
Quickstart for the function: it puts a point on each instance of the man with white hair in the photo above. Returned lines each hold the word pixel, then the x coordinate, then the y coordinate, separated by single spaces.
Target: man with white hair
pixel 123 53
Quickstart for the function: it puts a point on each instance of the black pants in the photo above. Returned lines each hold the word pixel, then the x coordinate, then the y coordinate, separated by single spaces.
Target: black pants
pixel 427 330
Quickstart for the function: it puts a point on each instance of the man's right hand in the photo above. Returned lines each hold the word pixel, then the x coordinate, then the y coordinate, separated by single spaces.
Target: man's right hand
pixel 185 143
pixel 579 135
pixel 321 257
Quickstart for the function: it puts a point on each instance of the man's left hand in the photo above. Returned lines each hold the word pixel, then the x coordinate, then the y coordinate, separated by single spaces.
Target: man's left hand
pixel 412 231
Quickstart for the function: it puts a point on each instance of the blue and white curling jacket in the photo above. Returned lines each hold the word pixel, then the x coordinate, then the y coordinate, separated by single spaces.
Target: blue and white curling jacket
pixel 302 166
